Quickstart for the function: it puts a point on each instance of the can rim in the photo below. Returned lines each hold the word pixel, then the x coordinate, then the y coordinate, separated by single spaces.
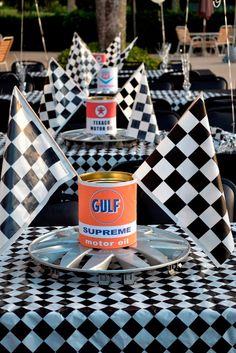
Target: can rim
pixel 100 98
pixel 107 177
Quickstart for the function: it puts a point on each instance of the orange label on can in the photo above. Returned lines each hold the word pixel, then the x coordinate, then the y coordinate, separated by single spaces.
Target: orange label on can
pixel 107 214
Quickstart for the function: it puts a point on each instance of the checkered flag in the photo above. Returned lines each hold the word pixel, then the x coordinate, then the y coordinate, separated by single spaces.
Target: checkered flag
pixel 60 100
pixel 125 53
pixel 47 112
pixel 81 65
pixel 126 95
pixel 113 51
pixel 182 177
pixel 33 168
pixel 143 122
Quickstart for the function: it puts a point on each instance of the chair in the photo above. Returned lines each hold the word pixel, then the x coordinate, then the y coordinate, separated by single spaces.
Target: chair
pixel 221 117
pixel 61 210
pixel 219 43
pixel 29 83
pixel 166 119
pixel 230 196
pixel 185 39
pixel 5 47
pixel 7 82
pixel 175 65
pixel 30 65
pixel 217 83
pixel 58 214
pixel 157 84
pixel 177 78
pixel 160 104
pixel 219 102
pixel 4 114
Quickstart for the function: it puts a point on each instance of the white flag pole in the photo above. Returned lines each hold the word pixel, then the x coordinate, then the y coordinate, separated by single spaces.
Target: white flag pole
pixel 41 30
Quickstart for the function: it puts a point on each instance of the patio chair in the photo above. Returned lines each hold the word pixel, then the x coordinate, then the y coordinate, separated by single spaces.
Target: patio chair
pixel 5 47
pixel 218 44
pixel 230 197
pixel 4 109
pixel 215 83
pixel 221 117
pixel 157 84
pixel 160 104
pixel 57 214
pixel 166 119
pixel 185 39
pixel 60 210
pixel 8 81
pixel 219 102
pixel 30 65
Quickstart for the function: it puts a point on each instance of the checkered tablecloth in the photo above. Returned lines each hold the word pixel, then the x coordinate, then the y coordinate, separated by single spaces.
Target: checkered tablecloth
pixel 178 98
pixel 31 97
pixel 2 143
pixel 91 159
pixel 150 73
pixel 192 311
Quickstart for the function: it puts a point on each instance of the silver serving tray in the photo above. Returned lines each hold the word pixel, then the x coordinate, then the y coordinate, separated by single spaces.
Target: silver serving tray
pixel 60 250
pixel 81 135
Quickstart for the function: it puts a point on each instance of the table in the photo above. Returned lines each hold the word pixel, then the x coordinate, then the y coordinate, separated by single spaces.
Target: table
pixel 179 98
pixel 91 158
pixel 150 73
pixel 31 97
pixel 176 98
pixel 191 311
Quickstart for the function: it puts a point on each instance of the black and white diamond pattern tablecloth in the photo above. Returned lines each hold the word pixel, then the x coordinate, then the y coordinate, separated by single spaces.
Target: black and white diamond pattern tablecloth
pixel 31 97
pixel 192 311
pixel 150 73
pixel 178 98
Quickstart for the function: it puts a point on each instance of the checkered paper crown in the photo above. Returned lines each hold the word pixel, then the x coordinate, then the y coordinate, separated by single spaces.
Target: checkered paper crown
pixel 182 177
pixel 124 54
pixel 113 51
pixel 81 65
pixel 117 59
pixel 60 100
pixel 143 122
pixel 33 168
pixel 126 96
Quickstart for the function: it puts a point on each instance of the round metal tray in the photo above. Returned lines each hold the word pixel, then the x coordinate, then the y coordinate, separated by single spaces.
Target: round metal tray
pixel 81 135
pixel 155 248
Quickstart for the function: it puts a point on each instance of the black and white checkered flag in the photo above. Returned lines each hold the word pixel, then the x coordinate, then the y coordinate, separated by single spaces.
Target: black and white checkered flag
pixel 61 98
pixel 143 122
pixel 182 177
pixel 126 95
pixel 81 65
pixel 47 112
pixel 33 168
pixel 124 54
pixel 113 52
